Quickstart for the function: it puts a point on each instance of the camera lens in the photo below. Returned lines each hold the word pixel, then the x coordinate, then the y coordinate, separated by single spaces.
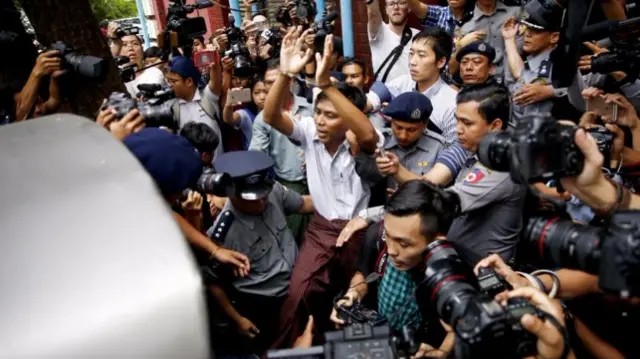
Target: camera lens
pixel 160 115
pixel 219 184
pixel 242 66
pixel 495 151
pixel 564 243
pixel 449 282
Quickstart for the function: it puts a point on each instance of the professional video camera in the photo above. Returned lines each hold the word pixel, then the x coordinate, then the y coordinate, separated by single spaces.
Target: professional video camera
pixel 322 28
pixel 88 66
pixel 125 31
pixel 156 109
pixel 181 29
pixel 612 253
pixel 483 327
pixel 237 50
pixel 127 69
pixel 539 149
pixel 355 341
pixel 624 55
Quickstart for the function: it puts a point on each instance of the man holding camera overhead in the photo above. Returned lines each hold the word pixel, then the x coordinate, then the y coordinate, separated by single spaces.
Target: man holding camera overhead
pixel 195 104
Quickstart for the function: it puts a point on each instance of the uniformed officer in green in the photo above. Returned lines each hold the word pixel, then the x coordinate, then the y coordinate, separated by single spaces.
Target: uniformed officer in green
pixel 491 203
pixel 254 222
pixel 409 138
pixel 529 80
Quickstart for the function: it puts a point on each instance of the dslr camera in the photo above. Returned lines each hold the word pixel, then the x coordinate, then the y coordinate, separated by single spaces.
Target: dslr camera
pixel 237 50
pixel 539 149
pixel 322 28
pixel 483 327
pixel 217 184
pixel 155 109
pixel 126 68
pixel 92 67
pixel 612 253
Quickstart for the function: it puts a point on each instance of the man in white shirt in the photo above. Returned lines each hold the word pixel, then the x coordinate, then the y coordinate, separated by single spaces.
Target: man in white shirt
pixel 194 104
pixel 336 189
pixel 388 57
pixel 429 53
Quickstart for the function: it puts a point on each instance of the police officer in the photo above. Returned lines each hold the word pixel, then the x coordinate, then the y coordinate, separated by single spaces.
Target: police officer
pixel 253 222
pixel 409 138
pixel 530 83
pixel 476 63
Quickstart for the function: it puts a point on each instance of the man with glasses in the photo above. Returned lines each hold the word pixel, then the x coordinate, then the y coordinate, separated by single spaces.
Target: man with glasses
pixel 388 42
pixel 196 102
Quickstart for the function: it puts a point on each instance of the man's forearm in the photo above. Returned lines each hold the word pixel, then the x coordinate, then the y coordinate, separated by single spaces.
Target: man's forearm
pixel 516 65
pixel 275 100
pixel 215 80
pixel 27 97
pixel 224 303
pixel 404 175
pixel 355 119
pixel 116 46
pixel 194 236
pixel 359 285
pixel 374 18
pixel 307 205
pixel 420 9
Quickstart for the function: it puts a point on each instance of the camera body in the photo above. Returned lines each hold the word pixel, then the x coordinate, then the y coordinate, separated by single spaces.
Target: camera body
pixel 237 50
pixel 612 253
pixel 88 66
pixel 126 68
pixel 217 184
pixel 322 28
pixel 156 111
pixel 359 314
pixel 490 282
pixel 538 150
pixel 484 328
pixel 180 28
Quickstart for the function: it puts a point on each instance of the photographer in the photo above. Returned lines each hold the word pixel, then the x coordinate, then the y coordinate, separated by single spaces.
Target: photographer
pixel 194 103
pixel 243 117
pixel 132 48
pixel 415 215
pixel 29 101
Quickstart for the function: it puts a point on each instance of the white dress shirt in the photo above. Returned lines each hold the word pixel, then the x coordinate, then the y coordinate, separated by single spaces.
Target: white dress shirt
pixel 191 111
pixel 336 189
pixel 381 45
pixel 443 100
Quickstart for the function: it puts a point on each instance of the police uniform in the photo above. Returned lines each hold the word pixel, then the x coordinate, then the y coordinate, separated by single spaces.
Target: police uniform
pixel 482 48
pixel 537 70
pixel 491 210
pixel 419 158
pixel 264 238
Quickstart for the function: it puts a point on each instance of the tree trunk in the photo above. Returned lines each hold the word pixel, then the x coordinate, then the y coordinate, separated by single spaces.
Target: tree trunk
pixel 72 21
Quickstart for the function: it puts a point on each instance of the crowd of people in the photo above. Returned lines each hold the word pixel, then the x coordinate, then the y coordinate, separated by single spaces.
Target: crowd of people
pixel 343 167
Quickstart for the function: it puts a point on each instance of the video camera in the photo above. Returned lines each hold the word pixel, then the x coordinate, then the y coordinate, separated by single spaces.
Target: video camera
pixel 612 253
pixel 237 50
pixel 539 149
pixel 181 29
pixel 126 31
pixel 155 109
pixel 483 327
pixel 322 28
pixel 625 53
pixel 127 69
pixel 88 66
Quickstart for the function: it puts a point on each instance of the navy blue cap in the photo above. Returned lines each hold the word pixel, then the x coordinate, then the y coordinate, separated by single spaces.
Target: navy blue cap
pixel 170 159
pixel 543 15
pixel 251 171
pixel 184 67
pixel 477 47
pixel 410 107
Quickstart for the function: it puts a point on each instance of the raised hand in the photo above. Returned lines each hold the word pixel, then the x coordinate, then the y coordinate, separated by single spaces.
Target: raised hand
pixel 292 57
pixel 323 63
pixel 510 29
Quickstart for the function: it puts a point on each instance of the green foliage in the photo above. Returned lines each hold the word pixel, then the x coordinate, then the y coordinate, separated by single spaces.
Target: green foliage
pixel 113 9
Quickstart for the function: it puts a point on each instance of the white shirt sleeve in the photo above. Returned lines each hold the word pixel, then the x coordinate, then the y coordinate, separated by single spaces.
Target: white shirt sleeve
pixel 374 101
pixel 303 132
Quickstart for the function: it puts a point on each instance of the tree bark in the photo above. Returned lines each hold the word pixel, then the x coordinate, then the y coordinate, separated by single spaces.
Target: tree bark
pixel 72 21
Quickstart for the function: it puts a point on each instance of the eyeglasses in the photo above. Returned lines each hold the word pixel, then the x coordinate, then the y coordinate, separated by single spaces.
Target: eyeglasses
pixel 399 4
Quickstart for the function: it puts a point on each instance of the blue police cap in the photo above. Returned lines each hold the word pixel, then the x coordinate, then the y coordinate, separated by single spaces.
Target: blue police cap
pixel 477 47
pixel 410 107
pixel 382 91
pixel 184 67
pixel 251 171
pixel 170 159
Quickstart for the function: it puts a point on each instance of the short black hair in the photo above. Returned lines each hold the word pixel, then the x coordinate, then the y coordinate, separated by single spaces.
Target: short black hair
pixel 352 61
pixel 436 207
pixel 201 136
pixel 199 37
pixel 353 94
pixel 153 51
pixel 439 40
pixel 493 100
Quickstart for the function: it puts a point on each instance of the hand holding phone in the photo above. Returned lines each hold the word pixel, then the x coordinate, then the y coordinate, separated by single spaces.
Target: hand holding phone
pixel 239 96
pixel 598 105
pixel 203 59
pixel 383 153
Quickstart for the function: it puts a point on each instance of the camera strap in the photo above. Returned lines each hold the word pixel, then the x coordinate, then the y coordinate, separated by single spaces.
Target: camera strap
pixel 394 55
pixel 381 262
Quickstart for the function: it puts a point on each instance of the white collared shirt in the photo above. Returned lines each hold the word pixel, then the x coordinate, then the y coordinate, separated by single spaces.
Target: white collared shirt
pixel 336 189
pixel 443 100
pixel 191 111
pixel 381 46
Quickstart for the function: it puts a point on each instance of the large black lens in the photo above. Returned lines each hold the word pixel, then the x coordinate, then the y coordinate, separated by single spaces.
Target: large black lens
pixel 88 66
pixel 495 151
pixel 219 184
pixel 160 115
pixel 449 283
pixel 564 243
